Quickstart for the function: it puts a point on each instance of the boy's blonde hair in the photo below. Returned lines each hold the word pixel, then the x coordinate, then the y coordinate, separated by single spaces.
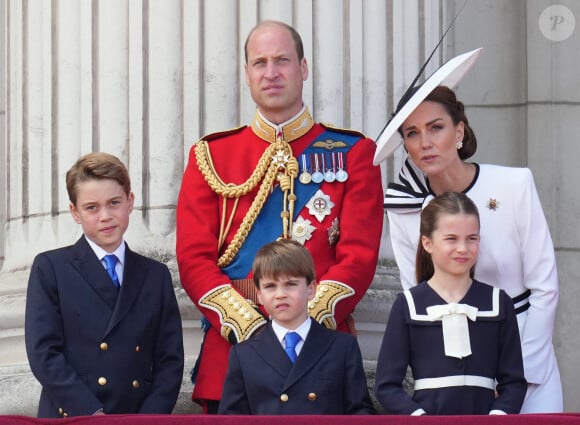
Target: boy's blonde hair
pixel 96 166
pixel 284 257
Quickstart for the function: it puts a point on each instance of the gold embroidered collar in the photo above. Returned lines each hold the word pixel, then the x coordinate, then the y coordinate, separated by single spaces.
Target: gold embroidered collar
pixel 292 129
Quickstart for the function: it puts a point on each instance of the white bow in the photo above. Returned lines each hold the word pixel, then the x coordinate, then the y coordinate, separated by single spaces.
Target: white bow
pixel 455 329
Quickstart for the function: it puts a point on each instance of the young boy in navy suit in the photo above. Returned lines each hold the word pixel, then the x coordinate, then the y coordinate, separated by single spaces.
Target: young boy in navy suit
pixel 317 371
pixel 102 335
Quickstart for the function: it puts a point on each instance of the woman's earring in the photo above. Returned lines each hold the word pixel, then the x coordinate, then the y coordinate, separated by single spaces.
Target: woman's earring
pixel 459 144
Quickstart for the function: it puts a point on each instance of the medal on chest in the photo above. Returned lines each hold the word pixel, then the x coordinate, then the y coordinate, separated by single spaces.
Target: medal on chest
pixel 320 205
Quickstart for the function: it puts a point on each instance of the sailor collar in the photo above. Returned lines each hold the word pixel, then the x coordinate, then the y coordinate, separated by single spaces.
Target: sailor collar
pixel 416 315
pixel 292 129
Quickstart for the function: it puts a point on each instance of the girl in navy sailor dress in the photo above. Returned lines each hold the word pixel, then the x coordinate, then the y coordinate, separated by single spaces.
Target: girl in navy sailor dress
pixel 459 336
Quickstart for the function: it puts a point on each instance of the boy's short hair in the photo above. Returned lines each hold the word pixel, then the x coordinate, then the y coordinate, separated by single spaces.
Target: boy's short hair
pixel 96 166
pixel 284 257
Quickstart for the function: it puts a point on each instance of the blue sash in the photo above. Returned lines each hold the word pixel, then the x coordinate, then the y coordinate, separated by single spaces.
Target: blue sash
pixel 268 227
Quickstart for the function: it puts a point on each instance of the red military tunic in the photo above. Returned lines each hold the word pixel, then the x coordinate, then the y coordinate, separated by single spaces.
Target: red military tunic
pixel 344 244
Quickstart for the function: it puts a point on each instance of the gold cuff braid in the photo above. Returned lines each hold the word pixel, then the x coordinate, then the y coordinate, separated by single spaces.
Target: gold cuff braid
pixel 328 293
pixel 236 314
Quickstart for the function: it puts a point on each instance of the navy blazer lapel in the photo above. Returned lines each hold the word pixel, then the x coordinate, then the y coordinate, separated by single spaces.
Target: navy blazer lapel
pixel 269 348
pixel 133 278
pixel 318 341
pixel 90 268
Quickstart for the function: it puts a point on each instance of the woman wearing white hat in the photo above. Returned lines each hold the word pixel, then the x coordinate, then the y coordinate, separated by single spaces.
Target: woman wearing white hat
pixel 516 251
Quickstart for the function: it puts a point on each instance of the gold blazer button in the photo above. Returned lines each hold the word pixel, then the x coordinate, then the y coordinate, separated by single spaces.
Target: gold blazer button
pixel 102 381
pixel 136 384
pixel 284 398
pixel 104 346
pixel 312 396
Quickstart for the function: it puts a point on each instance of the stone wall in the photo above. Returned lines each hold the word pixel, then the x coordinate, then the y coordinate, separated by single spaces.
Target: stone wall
pixel 145 79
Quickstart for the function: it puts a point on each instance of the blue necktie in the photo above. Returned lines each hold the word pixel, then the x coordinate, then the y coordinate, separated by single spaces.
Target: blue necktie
pixel 111 261
pixel 291 339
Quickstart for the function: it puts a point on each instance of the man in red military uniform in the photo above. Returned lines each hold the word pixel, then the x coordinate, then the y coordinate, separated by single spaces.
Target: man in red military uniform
pixel 282 177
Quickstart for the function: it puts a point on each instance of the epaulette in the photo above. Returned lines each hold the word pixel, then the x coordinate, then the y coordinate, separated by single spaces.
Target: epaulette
pixel 343 130
pixel 220 134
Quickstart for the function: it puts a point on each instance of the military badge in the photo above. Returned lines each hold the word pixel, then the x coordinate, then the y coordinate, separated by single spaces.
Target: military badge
pixel 305 176
pixel 302 230
pixel 329 144
pixel 333 232
pixel 320 205
pixel 327 165
pixel 341 174
pixel 281 158
pixel 317 176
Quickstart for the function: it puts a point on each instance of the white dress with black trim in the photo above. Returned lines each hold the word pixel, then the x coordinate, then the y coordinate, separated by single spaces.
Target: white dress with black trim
pixel 516 254
pixel 454 384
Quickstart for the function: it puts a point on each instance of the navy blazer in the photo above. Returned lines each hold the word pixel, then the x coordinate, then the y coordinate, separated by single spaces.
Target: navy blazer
pixel 327 378
pixel 92 347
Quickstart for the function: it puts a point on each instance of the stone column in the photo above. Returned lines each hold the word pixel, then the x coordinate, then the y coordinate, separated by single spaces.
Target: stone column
pixel 553 126
pixel 101 75
pixel 144 80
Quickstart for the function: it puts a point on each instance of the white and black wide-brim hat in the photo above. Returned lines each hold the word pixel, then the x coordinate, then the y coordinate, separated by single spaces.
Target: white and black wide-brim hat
pixel 450 73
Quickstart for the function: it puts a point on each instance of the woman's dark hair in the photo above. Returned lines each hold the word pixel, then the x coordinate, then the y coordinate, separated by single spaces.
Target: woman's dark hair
pixel 447 203
pixel 456 110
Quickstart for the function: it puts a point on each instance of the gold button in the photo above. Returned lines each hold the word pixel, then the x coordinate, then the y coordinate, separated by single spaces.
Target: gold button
pixel 136 384
pixel 65 415
pixel 284 398
pixel 104 346
pixel 60 411
pixel 102 381
pixel 312 396
pixel 137 349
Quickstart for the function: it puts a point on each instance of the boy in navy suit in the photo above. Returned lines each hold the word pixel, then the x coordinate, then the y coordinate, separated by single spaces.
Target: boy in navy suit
pixel 311 371
pixel 102 327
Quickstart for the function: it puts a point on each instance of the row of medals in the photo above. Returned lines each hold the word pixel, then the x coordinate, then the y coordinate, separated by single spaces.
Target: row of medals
pixel 319 167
